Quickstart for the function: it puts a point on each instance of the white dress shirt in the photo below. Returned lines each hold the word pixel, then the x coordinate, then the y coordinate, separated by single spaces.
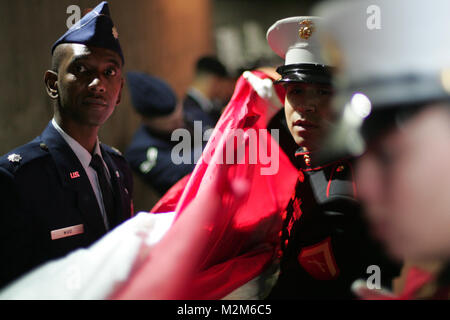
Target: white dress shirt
pixel 85 159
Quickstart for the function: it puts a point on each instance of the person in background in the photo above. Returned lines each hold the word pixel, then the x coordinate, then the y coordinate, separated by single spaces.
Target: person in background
pixel 66 189
pixel 209 92
pixel 150 152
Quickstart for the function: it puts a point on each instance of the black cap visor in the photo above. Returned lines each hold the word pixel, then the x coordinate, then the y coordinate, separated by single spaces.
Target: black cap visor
pixel 305 73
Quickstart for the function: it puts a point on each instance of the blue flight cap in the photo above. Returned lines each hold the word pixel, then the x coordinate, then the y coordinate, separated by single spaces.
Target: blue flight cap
pixel 95 29
pixel 151 97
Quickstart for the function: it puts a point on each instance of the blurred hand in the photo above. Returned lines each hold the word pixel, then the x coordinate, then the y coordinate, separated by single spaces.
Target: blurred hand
pixel 265 89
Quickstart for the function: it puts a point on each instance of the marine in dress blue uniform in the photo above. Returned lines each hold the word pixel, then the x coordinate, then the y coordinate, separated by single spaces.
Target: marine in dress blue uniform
pixel 325 244
pixel 150 151
pixel 50 206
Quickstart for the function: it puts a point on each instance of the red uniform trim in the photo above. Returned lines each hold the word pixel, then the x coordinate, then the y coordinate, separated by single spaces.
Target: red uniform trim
pixel 318 260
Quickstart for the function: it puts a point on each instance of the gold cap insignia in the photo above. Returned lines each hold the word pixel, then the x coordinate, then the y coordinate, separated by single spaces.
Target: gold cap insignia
pixel 115 33
pixel 306 29
pixel 43 146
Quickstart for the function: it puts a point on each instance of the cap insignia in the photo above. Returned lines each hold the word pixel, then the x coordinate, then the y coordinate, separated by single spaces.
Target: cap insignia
pixel 306 29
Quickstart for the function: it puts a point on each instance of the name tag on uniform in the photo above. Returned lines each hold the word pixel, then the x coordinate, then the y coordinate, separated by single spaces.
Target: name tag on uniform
pixel 67 232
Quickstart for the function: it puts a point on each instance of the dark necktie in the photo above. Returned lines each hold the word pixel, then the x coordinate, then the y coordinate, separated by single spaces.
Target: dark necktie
pixel 107 193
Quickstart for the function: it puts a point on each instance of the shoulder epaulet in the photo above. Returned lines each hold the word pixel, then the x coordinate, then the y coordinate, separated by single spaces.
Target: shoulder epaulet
pixel 22 155
pixel 117 151
pixel 112 150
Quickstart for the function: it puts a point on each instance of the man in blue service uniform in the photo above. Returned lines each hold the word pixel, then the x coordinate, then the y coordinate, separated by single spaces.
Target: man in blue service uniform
pixel 150 151
pixel 325 245
pixel 65 188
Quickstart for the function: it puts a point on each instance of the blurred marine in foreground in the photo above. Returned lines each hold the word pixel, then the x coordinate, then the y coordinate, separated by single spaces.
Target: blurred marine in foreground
pixel 150 150
pixel 393 93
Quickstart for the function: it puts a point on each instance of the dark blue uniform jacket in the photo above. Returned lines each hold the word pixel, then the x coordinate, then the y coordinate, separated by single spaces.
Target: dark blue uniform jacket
pixel 150 156
pixel 45 189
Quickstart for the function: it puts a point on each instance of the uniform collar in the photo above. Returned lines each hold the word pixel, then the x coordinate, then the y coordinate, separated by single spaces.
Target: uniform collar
pixel 82 154
pixel 203 101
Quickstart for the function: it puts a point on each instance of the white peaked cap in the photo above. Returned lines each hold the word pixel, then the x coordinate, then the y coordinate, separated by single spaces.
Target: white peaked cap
pixel 388 55
pixel 295 40
pixel 396 51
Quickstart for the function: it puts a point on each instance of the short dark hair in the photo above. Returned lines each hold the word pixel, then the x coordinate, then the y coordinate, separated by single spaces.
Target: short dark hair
pixel 211 65
pixel 57 56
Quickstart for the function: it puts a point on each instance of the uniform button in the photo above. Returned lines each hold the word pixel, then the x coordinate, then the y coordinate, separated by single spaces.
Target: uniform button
pixel 286 242
pixel 280 233
pixel 307 160
pixel 43 146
